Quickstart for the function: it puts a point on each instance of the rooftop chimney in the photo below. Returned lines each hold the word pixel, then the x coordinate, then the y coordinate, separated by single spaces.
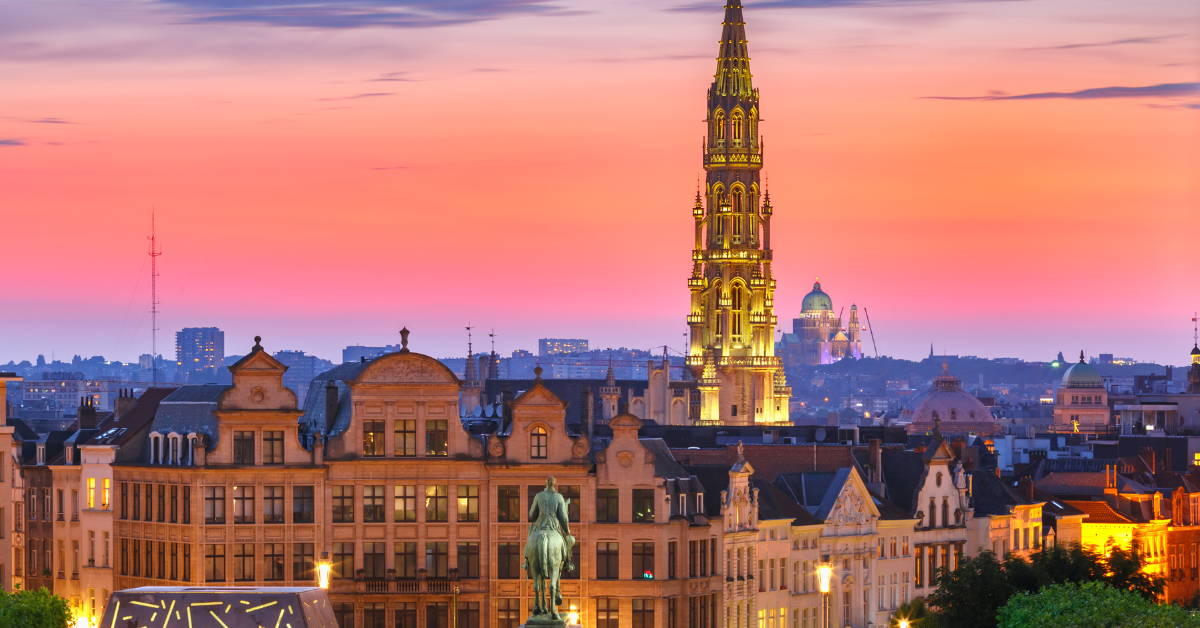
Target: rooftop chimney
pixel 124 403
pixel 86 415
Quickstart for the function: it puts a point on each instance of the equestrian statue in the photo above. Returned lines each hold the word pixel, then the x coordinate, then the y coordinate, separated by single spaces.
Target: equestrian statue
pixel 547 550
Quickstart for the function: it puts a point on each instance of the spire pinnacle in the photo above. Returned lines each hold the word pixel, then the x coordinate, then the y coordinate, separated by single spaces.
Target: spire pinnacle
pixel 733 62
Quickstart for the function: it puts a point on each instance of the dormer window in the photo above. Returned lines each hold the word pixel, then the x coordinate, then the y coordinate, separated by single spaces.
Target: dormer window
pixel 69 451
pixel 699 502
pixel 538 443
pixel 41 454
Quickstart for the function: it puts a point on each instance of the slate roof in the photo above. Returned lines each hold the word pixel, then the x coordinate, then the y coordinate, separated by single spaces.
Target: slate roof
pixel 990 495
pixel 771 461
pixel 902 472
pixel 1099 512
pixel 665 465
pixel 773 503
pixel 22 431
pixel 810 489
pixel 190 409
pixel 714 479
pixel 1069 484
pixel 1047 466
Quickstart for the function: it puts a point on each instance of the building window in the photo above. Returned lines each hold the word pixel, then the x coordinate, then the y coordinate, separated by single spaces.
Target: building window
pixel 607 506
pixel 437 498
pixel 214 563
pixel 468 559
pixel 105 490
pixel 124 500
pixel 704 556
pixel 243 561
pixel 643 561
pixel 508 613
pixel 214 504
pixel 243 504
pixel 243 448
pixel 571 493
pixel 373 614
pixel 343 613
pixel 437 615
pixel 468 502
pixel 343 504
pixel 343 560
pixel 437 559
pixel 693 559
pixel 671 558
pixel 468 615
pixel 573 574
pixel 174 503
pixel 435 438
pixel 405 438
pixel 508 503
pixel 904 546
pixel 538 443
pixel 372 438
pixel 272 504
pixel 373 559
pixel 304 564
pixel 162 503
pixel 373 503
pixel 606 613
pixel 273 561
pixel 643 505
pixel 508 563
pixel 607 561
pixel 406 615
pixel 302 504
pixel 406 503
pixel 406 559
pixel 643 612
pixel 272 447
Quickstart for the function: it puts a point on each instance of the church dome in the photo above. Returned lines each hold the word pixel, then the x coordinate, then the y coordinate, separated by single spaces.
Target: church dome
pixel 1082 375
pixel 947 402
pixel 817 300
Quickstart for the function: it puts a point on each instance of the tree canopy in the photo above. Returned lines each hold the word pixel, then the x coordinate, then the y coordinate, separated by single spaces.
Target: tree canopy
pixel 33 609
pixel 1091 605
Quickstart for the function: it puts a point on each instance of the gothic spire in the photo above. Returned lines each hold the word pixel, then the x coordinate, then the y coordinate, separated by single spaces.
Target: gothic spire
pixel 733 62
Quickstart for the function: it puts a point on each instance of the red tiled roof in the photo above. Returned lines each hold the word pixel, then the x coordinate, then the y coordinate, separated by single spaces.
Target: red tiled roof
pixel 1099 512
pixel 771 461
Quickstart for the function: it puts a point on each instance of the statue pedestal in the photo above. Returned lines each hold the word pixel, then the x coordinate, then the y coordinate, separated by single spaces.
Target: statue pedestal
pixel 544 621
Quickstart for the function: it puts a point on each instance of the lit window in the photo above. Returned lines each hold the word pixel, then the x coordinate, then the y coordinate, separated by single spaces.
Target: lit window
pixel 538 441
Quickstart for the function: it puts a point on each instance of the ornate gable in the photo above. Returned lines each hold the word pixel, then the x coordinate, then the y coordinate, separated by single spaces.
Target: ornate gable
pixel 854 505
pixel 406 368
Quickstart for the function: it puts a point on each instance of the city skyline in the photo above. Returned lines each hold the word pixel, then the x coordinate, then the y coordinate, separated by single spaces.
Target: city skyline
pixel 288 192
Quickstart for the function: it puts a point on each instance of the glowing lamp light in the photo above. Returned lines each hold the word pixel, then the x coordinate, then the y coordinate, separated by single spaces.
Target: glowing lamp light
pixel 323 568
pixel 824 571
pixel 903 623
pixel 573 616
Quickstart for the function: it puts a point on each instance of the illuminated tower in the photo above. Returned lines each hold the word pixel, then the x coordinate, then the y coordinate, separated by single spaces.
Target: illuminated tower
pixel 732 289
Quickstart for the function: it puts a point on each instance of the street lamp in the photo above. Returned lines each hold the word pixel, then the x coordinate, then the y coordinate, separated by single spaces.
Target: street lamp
pixel 903 623
pixel 824 571
pixel 573 616
pixel 323 567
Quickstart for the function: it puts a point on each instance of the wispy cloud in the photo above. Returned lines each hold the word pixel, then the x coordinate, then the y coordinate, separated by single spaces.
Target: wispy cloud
pixel 1163 90
pixel 358 96
pixel 1105 44
pixel 392 77
pixel 341 14
pixel 11 142
pixel 51 121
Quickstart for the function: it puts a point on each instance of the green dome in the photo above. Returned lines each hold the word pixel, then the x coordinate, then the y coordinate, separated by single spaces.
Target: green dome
pixel 817 300
pixel 1082 375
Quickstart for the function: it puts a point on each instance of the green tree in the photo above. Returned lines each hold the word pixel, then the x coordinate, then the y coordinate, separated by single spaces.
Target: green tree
pixel 33 609
pixel 971 595
pixel 1090 605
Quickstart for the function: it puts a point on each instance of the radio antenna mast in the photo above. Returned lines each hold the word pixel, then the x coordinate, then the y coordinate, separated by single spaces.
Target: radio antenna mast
pixel 872 329
pixel 155 251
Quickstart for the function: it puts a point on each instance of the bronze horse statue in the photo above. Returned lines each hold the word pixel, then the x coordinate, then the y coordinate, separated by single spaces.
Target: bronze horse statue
pixel 547 549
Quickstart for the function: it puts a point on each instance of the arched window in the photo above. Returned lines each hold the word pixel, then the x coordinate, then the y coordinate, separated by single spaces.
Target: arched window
pixel 719 121
pixel 953 414
pixel 932 512
pixel 538 441
pixel 945 512
pixel 939 478
pixel 737 127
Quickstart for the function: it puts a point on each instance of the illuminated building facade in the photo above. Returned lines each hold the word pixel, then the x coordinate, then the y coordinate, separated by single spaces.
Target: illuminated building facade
pixel 818 336
pixel 946 408
pixel 732 320
pixel 1081 401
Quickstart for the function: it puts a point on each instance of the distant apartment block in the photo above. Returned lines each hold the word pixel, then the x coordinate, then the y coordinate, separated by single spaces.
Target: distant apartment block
pixel 359 353
pixel 560 346
pixel 199 353
pixel 302 368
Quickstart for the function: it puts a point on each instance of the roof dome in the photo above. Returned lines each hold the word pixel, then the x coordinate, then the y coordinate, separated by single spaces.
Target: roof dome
pixel 1082 375
pixel 1196 350
pixel 817 300
pixel 946 402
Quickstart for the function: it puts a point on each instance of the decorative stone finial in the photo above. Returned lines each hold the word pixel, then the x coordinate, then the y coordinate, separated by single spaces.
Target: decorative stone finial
pixel 537 372
pixel 741 452
pixel 257 344
pixel 1081 357
pixel 404 340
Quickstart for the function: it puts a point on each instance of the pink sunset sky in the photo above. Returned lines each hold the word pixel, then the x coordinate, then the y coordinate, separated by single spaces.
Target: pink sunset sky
pixel 998 178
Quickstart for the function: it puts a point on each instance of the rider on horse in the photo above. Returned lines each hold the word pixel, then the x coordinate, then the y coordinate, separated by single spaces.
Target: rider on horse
pixel 548 513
